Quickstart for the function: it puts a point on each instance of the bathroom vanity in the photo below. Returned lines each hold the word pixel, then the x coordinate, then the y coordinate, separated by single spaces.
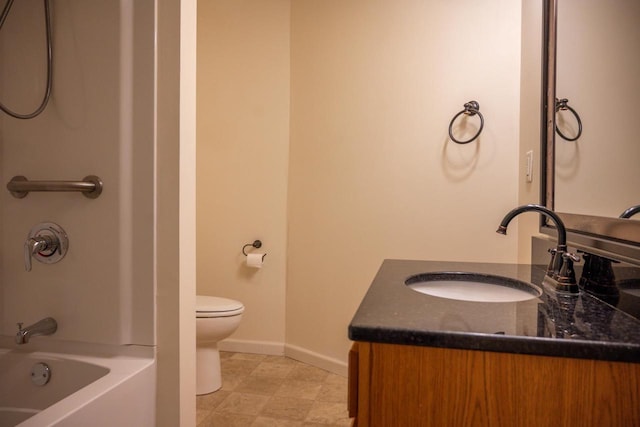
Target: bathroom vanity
pixel 549 360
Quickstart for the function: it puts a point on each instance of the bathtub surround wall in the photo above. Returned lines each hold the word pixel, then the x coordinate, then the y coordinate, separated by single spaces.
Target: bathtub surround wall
pixel 102 103
pixel 364 171
pixel 123 109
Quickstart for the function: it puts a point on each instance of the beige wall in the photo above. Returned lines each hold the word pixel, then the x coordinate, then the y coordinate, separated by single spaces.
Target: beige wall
pixel 372 172
pixel 242 159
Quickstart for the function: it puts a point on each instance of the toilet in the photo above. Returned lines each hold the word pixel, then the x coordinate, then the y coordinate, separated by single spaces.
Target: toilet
pixel 216 319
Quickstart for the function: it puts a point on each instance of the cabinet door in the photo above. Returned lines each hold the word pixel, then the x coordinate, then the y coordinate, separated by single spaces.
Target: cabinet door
pixel 425 387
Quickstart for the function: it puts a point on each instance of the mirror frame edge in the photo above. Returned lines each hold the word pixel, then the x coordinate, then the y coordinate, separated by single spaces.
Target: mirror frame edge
pixel 615 236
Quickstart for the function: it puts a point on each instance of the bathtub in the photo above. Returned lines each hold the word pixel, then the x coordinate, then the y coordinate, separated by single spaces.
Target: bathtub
pixel 92 385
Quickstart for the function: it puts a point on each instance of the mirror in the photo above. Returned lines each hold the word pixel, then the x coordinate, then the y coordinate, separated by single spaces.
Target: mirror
pixel 590 53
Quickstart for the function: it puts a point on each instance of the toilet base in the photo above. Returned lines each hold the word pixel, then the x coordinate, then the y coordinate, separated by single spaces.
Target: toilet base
pixel 208 373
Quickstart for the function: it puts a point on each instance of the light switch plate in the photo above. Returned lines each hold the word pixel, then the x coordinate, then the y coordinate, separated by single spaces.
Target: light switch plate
pixel 530 166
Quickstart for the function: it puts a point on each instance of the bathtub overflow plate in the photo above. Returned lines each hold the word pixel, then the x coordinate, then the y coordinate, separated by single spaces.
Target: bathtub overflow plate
pixel 40 374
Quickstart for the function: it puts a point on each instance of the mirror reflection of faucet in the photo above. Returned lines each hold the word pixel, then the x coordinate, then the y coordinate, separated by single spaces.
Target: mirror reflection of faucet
pixel 598 278
pixel 47 242
pixel 560 275
pixel 630 212
pixel 46 326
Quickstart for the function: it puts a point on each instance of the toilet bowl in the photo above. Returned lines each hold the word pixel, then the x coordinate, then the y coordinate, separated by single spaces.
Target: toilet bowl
pixel 216 319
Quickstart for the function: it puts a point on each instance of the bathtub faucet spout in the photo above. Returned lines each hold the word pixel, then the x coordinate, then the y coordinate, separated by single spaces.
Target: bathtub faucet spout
pixel 46 326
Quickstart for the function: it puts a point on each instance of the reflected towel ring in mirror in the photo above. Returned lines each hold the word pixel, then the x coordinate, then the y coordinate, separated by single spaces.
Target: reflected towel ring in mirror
pixel 563 104
pixel 471 108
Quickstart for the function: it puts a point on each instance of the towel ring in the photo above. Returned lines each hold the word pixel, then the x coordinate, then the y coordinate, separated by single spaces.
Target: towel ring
pixel 471 108
pixel 563 104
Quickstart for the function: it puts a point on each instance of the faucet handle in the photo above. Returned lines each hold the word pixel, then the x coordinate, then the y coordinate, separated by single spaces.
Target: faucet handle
pixel 566 276
pixel 35 245
pixel 20 325
pixel 47 242
pixel 569 256
pixel 551 268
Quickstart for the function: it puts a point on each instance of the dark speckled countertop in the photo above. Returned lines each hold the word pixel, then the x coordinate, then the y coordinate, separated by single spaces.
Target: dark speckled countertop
pixel 553 325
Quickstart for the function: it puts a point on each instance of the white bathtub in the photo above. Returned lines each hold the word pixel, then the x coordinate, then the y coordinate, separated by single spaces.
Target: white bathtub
pixel 89 385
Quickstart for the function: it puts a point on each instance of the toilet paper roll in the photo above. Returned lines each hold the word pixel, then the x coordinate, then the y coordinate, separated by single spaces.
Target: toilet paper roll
pixel 255 260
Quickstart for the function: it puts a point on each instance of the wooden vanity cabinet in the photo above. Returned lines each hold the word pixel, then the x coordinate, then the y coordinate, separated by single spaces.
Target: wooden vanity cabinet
pixel 409 386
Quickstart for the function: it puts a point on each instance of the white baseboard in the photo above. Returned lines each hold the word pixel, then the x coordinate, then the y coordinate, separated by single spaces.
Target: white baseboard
pixel 258 347
pixel 318 360
pixel 271 348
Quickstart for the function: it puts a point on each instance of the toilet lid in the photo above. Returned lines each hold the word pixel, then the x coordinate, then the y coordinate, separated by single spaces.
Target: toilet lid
pixel 213 305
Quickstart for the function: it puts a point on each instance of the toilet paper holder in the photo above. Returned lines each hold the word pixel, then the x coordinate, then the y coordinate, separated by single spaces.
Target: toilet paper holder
pixel 256 244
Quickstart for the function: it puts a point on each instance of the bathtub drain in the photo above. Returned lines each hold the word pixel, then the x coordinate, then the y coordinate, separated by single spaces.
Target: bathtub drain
pixel 40 374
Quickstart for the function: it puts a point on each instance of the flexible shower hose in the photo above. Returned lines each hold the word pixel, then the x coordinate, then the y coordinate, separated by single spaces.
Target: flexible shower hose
pixel 47 94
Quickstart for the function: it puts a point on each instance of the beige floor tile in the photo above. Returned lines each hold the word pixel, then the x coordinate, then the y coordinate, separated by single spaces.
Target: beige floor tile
pixel 248 356
pixel 201 414
pixel 270 369
pixel 336 379
pixel 317 425
pixel 231 381
pixel 238 366
pixel 243 403
pixel 260 385
pixel 282 360
pixel 217 419
pixel 273 391
pixel 329 413
pixel 308 373
pixel 274 422
pixel 336 393
pixel 212 400
pixel 288 408
pixel 300 389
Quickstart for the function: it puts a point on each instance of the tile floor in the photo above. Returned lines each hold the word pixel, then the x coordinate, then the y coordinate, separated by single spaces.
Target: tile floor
pixel 273 391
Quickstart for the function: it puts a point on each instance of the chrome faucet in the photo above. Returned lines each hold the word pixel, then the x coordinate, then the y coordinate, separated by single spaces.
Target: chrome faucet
pixel 46 326
pixel 560 275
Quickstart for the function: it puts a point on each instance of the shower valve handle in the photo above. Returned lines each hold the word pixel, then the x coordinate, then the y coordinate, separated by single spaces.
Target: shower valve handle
pixel 38 245
pixel 47 242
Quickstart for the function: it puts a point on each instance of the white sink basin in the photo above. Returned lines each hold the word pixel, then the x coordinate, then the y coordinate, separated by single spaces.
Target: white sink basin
pixel 473 287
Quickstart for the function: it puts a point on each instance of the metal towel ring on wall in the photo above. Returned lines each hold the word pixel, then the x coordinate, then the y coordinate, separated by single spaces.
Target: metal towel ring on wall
pixel 471 108
pixel 563 104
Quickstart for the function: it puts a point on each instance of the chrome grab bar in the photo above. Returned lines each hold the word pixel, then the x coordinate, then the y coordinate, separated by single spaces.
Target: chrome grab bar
pixel 20 186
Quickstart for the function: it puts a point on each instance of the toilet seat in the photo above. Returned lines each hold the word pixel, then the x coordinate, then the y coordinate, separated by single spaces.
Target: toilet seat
pixel 208 306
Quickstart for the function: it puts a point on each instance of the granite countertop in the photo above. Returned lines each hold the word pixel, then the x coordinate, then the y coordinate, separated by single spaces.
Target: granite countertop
pixel 554 325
